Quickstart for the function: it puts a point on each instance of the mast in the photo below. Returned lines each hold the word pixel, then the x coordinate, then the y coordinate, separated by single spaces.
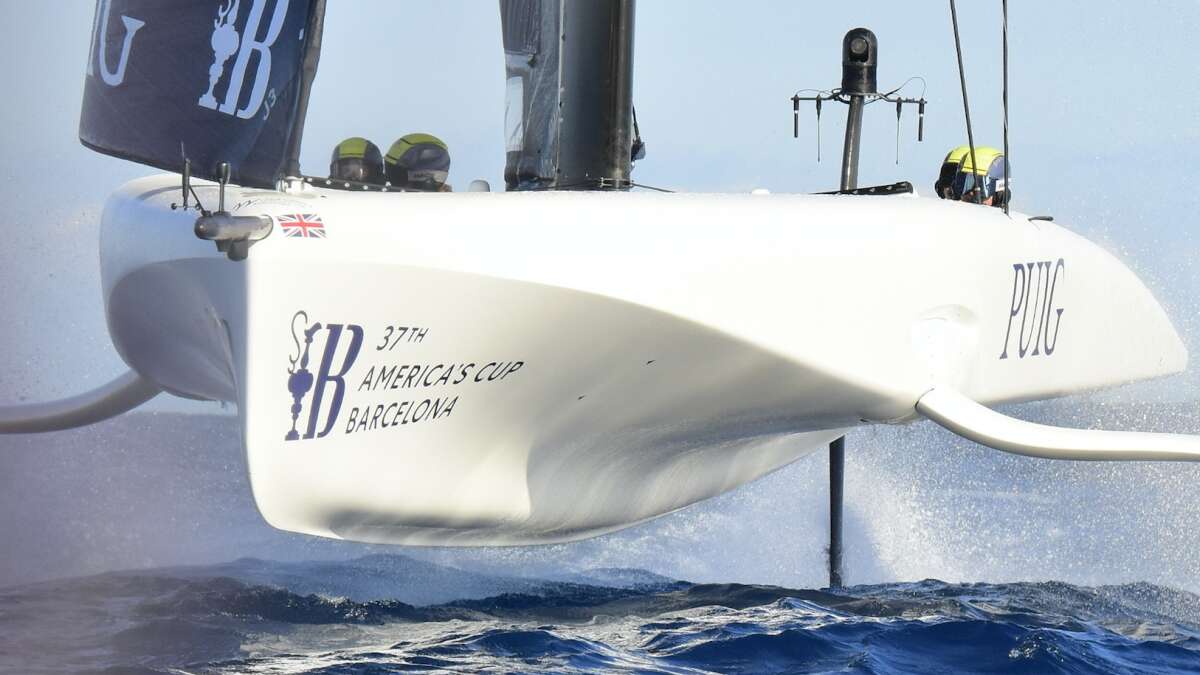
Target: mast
pixel 596 81
pixel 312 56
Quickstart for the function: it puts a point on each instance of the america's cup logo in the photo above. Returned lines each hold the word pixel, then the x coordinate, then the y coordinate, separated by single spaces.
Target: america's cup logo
pixel 342 343
pixel 224 44
pixel 227 41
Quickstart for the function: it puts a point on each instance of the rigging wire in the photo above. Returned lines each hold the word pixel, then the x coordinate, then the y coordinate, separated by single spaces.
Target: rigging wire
pixel 906 82
pixel 650 187
pixel 1007 191
pixel 962 78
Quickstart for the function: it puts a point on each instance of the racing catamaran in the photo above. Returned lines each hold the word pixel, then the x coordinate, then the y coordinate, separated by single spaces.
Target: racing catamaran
pixel 565 358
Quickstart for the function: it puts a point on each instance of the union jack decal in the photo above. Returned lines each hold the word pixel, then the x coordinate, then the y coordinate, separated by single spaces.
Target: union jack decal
pixel 302 225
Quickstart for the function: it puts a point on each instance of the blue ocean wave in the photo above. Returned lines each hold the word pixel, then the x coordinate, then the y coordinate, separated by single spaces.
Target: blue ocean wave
pixel 202 621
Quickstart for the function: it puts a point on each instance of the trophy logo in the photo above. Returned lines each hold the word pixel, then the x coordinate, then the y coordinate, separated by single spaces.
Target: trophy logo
pixel 227 41
pixel 300 380
pixel 224 42
pixel 328 386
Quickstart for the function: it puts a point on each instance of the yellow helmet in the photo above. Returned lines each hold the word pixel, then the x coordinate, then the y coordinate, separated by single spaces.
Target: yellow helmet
pixel 963 174
pixel 984 177
pixel 956 155
pixel 984 154
pixel 418 161
pixel 949 169
pixel 356 159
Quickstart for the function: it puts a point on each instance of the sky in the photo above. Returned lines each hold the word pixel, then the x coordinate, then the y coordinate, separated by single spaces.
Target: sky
pixel 1104 131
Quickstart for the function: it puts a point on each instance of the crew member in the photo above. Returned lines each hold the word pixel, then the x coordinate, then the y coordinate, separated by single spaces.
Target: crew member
pixel 949 170
pixel 357 159
pixel 984 184
pixel 418 162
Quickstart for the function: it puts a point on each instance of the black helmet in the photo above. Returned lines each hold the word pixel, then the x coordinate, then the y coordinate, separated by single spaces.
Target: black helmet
pixel 356 159
pixel 418 161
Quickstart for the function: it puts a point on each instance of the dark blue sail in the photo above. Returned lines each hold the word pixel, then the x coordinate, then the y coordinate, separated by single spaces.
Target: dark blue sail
pixel 210 80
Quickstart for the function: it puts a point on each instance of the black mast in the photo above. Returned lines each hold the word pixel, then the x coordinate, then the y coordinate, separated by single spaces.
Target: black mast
pixel 312 55
pixel 596 84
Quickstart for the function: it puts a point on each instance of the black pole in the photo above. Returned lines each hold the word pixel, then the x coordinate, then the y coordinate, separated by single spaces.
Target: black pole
pixel 1007 193
pixel 837 473
pixel 962 80
pixel 596 95
pixel 850 150
pixel 312 56
pixel 860 53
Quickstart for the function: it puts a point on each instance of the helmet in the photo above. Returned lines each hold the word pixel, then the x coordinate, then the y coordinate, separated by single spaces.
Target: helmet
pixel 949 169
pixel 986 179
pixel 356 159
pixel 418 161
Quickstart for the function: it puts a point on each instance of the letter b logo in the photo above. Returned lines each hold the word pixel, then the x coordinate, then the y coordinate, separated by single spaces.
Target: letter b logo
pixel 332 374
pixel 226 41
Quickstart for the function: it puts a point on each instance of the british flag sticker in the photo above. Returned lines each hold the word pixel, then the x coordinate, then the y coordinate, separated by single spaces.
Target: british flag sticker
pixel 302 225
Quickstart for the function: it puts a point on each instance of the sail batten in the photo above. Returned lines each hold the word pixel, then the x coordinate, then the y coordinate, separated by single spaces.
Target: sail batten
pixel 211 81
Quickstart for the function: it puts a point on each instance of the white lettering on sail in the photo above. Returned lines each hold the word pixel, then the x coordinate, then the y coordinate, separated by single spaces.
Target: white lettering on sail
pixel 99 51
pixel 224 43
pixel 226 40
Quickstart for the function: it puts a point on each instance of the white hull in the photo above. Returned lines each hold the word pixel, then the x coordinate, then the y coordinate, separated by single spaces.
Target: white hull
pixel 615 356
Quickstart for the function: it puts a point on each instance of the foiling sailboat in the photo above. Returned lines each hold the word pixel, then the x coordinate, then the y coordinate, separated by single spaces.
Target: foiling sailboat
pixel 565 358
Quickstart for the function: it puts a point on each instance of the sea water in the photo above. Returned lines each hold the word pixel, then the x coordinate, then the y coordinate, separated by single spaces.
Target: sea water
pixel 241 617
pixel 1090 567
